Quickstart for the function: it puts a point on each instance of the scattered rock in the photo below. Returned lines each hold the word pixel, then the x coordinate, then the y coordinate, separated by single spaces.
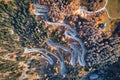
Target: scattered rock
pixel 101 71
pixel 100 78
pixel 93 76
